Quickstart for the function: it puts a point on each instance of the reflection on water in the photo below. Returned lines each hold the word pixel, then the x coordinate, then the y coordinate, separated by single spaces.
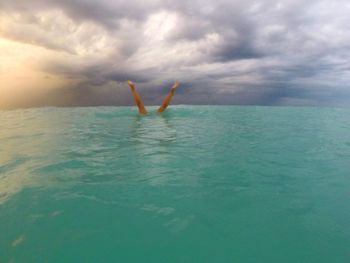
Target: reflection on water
pixel 49 146
pixel 28 139
pixel 151 138
pixel 101 145
pixel 152 135
pixel 153 130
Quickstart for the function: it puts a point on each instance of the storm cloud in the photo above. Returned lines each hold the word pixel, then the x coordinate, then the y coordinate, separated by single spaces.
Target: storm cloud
pixel 268 52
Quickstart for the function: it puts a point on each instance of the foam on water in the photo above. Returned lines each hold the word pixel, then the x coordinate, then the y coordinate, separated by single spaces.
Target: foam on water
pixel 195 184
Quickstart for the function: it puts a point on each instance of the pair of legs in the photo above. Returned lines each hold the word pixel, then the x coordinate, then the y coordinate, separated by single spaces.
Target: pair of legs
pixel 164 104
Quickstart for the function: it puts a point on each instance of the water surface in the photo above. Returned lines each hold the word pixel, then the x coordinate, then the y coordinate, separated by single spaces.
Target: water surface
pixel 195 184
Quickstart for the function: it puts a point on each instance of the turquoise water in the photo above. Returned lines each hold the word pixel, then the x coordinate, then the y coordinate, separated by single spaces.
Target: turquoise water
pixel 195 184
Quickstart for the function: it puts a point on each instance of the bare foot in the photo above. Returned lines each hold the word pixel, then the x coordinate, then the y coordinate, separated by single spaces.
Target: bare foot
pixel 131 84
pixel 174 87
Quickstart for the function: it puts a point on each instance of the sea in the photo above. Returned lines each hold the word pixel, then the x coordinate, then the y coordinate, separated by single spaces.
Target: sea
pixel 193 184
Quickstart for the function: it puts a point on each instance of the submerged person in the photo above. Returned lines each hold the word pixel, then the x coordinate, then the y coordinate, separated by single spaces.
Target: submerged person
pixel 140 104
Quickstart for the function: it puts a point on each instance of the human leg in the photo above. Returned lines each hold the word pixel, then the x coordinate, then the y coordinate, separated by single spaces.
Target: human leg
pixel 137 98
pixel 167 99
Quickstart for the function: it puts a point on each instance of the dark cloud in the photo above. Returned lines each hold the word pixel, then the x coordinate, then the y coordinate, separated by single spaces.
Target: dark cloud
pixel 224 52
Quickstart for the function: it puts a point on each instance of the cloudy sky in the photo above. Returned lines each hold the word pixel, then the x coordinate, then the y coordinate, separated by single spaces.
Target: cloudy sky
pixel 81 52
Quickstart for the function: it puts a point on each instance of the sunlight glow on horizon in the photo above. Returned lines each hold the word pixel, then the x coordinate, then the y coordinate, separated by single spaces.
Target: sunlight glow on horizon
pixel 21 75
